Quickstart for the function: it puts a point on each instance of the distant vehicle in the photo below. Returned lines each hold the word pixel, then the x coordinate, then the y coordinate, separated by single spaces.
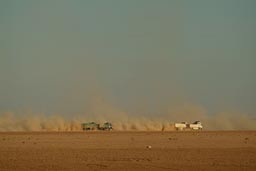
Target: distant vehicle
pixel 95 126
pixel 90 126
pixel 197 125
pixel 106 126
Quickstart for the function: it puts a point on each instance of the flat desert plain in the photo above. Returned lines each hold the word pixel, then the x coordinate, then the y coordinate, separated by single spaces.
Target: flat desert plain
pixel 113 150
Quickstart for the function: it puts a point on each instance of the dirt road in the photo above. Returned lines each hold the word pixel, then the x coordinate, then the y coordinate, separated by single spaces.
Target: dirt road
pixel 218 150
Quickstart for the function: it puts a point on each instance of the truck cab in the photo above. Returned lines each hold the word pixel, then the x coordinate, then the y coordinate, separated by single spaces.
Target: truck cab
pixel 197 125
pixel 107 126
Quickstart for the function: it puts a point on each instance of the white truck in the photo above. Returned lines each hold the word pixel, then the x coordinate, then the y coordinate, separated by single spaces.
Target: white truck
pixel 197 125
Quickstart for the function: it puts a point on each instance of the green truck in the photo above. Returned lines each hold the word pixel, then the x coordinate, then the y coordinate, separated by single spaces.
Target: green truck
pixel 95 126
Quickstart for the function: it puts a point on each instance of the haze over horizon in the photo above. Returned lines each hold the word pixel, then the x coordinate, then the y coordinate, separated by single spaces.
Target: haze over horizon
pixel 142 58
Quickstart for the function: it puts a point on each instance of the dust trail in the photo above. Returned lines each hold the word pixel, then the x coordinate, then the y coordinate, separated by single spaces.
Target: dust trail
pixel 123 122
pixel 28 122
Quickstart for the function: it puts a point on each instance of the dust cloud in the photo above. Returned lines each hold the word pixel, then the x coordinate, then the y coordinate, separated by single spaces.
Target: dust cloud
pixel 9 121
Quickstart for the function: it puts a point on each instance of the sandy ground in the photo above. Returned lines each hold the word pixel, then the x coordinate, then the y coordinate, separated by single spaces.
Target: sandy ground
pixel 218 150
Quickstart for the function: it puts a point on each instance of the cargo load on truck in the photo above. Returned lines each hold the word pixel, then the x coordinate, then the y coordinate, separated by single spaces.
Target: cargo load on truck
pixel 90 126
pixel 181 126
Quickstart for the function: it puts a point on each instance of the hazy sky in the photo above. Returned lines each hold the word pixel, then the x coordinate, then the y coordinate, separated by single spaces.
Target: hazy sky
pixel 138 55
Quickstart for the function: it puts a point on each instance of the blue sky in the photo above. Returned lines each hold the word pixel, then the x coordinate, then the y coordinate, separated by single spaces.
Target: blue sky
pixel 141 56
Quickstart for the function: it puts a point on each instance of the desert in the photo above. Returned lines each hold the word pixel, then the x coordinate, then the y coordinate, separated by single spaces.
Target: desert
pixel 128 150
pixel 135 85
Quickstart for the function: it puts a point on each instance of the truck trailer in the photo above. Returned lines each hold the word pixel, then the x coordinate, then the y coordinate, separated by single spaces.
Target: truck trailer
pixel 90 126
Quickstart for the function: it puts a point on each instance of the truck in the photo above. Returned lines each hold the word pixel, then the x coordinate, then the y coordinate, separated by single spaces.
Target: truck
pixel 95 126
pixel 197 125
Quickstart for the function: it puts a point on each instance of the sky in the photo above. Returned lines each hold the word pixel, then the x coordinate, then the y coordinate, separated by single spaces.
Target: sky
pixel 138 56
